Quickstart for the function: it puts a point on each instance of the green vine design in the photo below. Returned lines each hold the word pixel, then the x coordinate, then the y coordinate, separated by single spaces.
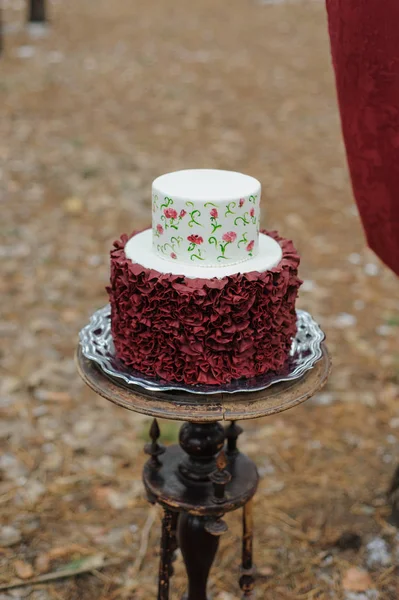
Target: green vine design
pixel 213 240
pixel 165 222
pixel 197 256
pixel 210 204
pixel 167 248
pixel 253 219
pixel 229 210
pixel 244 239
pixel 191 247
pixel 176 240
pixel 169 223
pixel 167 202
pixel 155 203
pixel 223 247
pixel 223 250
pixel 193 215
pixel 189 203
pixel 244 219
pixel 253 198
pixel 215 224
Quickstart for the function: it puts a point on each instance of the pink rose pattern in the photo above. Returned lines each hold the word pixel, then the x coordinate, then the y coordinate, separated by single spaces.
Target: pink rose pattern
pixel 203 331
pixel 195 239
pixel 171 219
pixel 229 237
pixel 170 213
pixel 250 246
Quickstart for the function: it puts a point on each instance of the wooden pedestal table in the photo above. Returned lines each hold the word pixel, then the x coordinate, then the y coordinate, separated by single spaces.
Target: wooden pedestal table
pixel 198 481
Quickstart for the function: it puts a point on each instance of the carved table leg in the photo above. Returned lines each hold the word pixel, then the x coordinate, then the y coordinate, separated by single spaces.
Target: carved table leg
pixel 247 579
pixel 168 547
pixel 233 431
pixel 199 550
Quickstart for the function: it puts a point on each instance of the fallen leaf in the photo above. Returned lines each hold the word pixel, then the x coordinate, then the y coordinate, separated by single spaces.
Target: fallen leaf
pixel 42 562
pixel 91 563
pixel 73 205
pixel 264 572
pixel 356 580
pixel 87 563
pixel 23 569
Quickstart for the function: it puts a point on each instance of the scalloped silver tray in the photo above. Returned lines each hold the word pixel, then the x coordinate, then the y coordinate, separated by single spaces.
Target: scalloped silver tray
pixel 97 345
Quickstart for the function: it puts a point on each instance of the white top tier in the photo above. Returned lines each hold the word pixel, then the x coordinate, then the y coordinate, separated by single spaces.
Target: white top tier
pixel 206 216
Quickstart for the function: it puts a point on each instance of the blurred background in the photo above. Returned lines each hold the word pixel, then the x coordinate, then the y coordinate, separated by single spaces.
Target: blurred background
pixel 92 109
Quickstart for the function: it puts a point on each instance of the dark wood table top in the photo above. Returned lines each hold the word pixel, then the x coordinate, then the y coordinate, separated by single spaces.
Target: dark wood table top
pixel 183 406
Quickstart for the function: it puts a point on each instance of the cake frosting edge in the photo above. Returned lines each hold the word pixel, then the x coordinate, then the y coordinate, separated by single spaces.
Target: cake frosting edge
pixel 207 331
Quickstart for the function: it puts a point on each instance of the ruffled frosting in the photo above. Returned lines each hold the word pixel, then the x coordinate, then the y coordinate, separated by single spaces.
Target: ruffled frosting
pixel 207 331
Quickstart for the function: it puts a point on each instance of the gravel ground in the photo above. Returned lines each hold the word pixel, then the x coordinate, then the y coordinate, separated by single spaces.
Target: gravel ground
pixel 91 111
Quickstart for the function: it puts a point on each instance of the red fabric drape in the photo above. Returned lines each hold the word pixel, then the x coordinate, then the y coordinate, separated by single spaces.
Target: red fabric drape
pixel 365 50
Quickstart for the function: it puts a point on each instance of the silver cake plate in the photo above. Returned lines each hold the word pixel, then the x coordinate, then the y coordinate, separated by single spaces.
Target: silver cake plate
pixel 98 346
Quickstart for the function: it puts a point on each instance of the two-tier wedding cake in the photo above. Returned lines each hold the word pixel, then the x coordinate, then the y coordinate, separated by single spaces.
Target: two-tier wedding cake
pixel 204 296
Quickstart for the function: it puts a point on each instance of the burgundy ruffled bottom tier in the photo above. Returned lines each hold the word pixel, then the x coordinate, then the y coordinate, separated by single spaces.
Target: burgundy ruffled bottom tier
pixel 207 331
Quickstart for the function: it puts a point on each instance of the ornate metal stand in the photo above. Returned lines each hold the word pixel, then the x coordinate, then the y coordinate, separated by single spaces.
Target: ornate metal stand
pixel 198 481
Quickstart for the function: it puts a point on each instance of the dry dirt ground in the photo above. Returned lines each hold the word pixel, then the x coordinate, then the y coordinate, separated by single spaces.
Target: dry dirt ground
pixel 113 95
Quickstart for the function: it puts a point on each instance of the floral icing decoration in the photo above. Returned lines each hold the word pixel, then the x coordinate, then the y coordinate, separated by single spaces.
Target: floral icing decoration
pixel 176 240
pixel 209 220
pixel 243 240
pixel 194 214
pixel 195 240
pixel 250 247
pixel 229 208
pixel 214 220
pixel 170 213
pixel 167 202
pixel 243 219
pixel 158 230
pixel 166 249
pixel 170 216
pixel 228 238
